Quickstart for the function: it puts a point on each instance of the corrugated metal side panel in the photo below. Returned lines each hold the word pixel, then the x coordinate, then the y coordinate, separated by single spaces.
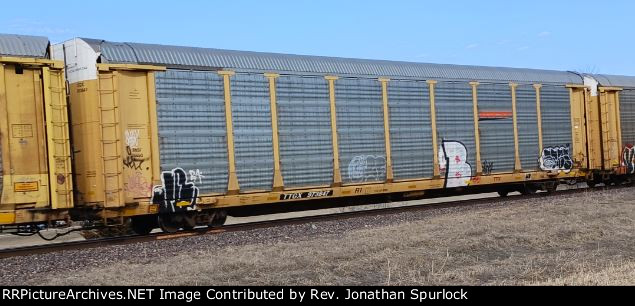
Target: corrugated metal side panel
pixel 555 106
pixel 497 135
pixel 191 118
pixel 360 129
pixel 304 128
pixel 251 113
pixel 24 45
pixel 627 115
pixel 410 130
pixel 527 127
pixel 455 119
pixel 261 61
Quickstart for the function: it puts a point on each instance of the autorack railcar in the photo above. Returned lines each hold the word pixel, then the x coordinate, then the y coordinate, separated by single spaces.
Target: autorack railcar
pixel 36 183
pixel 612 120
pixel 177 136
pixel 185 133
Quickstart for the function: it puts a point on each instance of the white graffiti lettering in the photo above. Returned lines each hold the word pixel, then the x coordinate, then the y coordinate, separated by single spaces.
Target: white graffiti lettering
pixel 196 175
pixel 132 138
pixel 453 163
pixel 557 158
pixel 628 158
pixel 176 193
pixel 367 168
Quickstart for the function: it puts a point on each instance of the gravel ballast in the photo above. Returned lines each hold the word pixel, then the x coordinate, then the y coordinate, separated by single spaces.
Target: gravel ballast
pixel 467 244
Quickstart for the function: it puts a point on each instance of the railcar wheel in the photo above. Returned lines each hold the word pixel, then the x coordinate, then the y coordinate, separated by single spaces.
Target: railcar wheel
pixel 189 221
pixel 503 192
pixel 218 219
pixel 551 187
pixel 143 225
pixel 528 189
pixel 169 223
pixel 616 180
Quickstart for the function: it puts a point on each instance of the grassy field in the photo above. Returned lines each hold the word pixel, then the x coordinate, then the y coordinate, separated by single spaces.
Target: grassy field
pixel 582 239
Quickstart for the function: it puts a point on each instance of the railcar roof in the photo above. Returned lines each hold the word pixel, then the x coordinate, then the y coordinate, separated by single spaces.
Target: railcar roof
pixel 24 45
pixel 193 57
pixel 615 80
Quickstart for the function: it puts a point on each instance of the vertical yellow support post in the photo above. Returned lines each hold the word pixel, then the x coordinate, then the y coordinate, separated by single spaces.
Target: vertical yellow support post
pixel 618 120
pixel 278 183
pixel 384 91
pixel 433 122
pixel 111 137
pixel 57 137
pixel 46 80
pixel 610 120
pixel 337 176
pixel 153 129
pixel 4 129
pixel 517 165
pixel 579 123
pixel 232 184
pixel 477 133
pixel 539 117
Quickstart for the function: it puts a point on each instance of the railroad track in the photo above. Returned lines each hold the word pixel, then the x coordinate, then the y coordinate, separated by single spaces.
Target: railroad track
pixel 123 240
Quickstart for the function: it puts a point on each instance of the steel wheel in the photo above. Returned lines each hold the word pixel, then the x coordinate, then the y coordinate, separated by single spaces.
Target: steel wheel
pixel 143 225
pixel 219 218
pixel 169 223
pixel 528 189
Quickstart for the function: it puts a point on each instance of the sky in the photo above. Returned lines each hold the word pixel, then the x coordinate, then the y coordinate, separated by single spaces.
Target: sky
pixel 583 36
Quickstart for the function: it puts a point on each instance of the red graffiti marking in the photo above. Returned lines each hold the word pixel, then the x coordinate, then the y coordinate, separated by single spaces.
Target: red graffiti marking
pixel 138 186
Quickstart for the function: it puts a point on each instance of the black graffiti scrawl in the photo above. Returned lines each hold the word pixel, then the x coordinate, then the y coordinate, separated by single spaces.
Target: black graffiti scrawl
pixel 175 194
pixel 557 158
pixel 628 158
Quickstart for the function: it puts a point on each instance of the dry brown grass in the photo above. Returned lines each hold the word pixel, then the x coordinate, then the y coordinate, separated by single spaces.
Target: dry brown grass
pixel 586 239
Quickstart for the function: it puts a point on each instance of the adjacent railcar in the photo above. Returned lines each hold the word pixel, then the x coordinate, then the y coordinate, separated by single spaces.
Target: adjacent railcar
pixel 36 183
pixel 184 133
pixel 614 97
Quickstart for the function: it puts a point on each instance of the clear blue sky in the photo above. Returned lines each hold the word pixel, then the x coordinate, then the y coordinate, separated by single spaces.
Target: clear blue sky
pixel 588 36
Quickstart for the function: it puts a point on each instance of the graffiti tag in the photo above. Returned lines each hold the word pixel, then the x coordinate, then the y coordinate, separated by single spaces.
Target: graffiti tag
pixel 367 168
pixel 628 158
pixel 137 185
pixel 175 194
pixel 196 175
pixel 134 158
pixel 453 163
pixel 132 138
pixel 488 166
pixel 556 158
